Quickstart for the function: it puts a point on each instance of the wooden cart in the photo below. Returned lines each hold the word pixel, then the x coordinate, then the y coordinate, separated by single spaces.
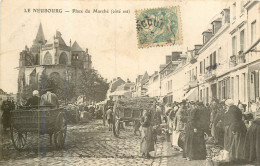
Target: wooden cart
pixel 41 120
pixel 130 110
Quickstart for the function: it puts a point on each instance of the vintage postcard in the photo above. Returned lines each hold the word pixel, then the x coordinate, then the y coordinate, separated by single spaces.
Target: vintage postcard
pixel 133 83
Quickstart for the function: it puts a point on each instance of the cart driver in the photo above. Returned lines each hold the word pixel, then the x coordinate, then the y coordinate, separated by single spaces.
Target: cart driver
pixel 34 100
pixel 49 98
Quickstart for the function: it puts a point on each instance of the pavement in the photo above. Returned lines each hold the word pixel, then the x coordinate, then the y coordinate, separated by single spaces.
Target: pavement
pixel 92 144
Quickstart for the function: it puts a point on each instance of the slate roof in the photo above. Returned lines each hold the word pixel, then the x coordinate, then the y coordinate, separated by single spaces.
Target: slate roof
pixel 76 47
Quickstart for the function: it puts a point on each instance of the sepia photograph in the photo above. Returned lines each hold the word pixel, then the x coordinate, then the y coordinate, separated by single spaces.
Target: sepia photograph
pixel 130 82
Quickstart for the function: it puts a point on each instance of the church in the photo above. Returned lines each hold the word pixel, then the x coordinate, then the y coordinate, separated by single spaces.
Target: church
pixel 53 58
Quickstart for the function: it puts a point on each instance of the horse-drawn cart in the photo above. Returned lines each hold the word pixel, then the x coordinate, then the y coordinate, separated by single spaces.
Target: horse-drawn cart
pixel 130 110
pixel 41 120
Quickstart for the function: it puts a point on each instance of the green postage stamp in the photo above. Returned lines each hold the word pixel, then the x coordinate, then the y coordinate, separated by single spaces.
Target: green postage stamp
pixel 158 27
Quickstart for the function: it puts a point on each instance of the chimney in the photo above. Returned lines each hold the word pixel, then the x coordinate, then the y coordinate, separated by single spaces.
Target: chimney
pixel 87 50
pixel 196 48
pixel 216 25
pixel 168 59
pixel 207 35
pixel 176 55
pixel 225 16
pixel 162 67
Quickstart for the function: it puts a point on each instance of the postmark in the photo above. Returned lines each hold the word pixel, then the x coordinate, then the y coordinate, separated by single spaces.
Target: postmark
pixel 159 27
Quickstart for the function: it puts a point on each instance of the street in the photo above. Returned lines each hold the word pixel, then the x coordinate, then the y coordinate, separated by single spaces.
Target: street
pixel 86 144
pixel 92 144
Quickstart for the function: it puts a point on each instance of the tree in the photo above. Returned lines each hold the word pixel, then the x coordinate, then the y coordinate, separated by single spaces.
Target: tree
pixel 92 85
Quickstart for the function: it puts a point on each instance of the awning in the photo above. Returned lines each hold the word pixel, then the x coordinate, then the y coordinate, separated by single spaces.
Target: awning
pixel 191 95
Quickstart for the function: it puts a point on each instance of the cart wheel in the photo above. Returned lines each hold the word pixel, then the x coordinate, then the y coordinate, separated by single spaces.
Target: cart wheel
pixel 18 139
pixel 116 127
pixel 60 134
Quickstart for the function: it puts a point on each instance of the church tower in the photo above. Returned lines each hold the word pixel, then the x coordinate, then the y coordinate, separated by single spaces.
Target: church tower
pixel 37 43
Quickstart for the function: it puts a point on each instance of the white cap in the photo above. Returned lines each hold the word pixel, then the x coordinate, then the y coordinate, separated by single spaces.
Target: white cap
pixel 229 102
pixel 35 93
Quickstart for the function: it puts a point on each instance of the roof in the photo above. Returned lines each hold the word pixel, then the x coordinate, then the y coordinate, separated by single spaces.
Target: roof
pixel 40 36
pixel 76 47
pixel 125 86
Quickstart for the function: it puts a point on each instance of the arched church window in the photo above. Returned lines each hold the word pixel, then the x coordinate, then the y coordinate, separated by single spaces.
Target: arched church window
pixel 47 59
pixel 63 58
pixel 37 59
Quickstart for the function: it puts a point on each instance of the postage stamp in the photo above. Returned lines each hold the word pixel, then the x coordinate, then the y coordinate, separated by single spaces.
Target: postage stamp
pixel 159 27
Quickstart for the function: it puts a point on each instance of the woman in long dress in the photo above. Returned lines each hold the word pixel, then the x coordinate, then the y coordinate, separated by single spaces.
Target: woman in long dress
pixel 194 146
pixel 235 131
pixel 252 142
pixel 147 142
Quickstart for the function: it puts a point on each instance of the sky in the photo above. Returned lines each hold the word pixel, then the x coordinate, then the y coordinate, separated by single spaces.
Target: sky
pixel 110 38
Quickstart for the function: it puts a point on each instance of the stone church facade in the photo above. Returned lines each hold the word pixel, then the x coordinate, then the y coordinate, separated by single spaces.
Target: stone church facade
pixel 53 58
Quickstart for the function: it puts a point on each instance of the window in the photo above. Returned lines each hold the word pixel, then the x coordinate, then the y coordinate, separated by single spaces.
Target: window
pixel 234 11
pixel 201 67
pixel 223 83
pixel 210 60
pixel 207 63
pixel 200 95
pixel 204 68
pixel 242 35
pixel 234 45
pixel 219 53
pixel 214 60
pixel 219 90
pixel 232 88
pixel 253 31
pixel 227 88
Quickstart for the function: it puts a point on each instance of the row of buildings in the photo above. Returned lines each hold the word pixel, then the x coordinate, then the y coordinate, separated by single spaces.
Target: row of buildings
pixel 226 65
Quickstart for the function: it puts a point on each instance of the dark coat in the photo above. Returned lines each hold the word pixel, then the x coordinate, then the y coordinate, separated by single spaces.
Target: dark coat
pixel 33 101
pixel 194 144
pixel 235 131
pixel 252 143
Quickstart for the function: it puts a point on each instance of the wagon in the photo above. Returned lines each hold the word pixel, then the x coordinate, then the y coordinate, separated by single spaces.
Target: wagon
pixel 130 110
pixel 41 120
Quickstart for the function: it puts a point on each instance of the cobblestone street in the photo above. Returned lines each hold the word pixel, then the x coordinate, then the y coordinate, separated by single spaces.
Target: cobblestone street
pixel 86 144
pixel 92 144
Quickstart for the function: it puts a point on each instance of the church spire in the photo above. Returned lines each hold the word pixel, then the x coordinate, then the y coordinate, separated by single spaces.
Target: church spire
pixel 40 36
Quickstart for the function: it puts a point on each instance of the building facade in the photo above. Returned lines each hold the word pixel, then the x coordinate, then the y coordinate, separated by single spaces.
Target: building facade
pixel 225 66
pixel 53 58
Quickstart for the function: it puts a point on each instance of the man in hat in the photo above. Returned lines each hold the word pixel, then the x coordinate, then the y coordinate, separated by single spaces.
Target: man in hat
pixel 34 100
pixel 49 98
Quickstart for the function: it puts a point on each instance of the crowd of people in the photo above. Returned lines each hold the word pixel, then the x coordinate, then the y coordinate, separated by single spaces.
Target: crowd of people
pixel 192 125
